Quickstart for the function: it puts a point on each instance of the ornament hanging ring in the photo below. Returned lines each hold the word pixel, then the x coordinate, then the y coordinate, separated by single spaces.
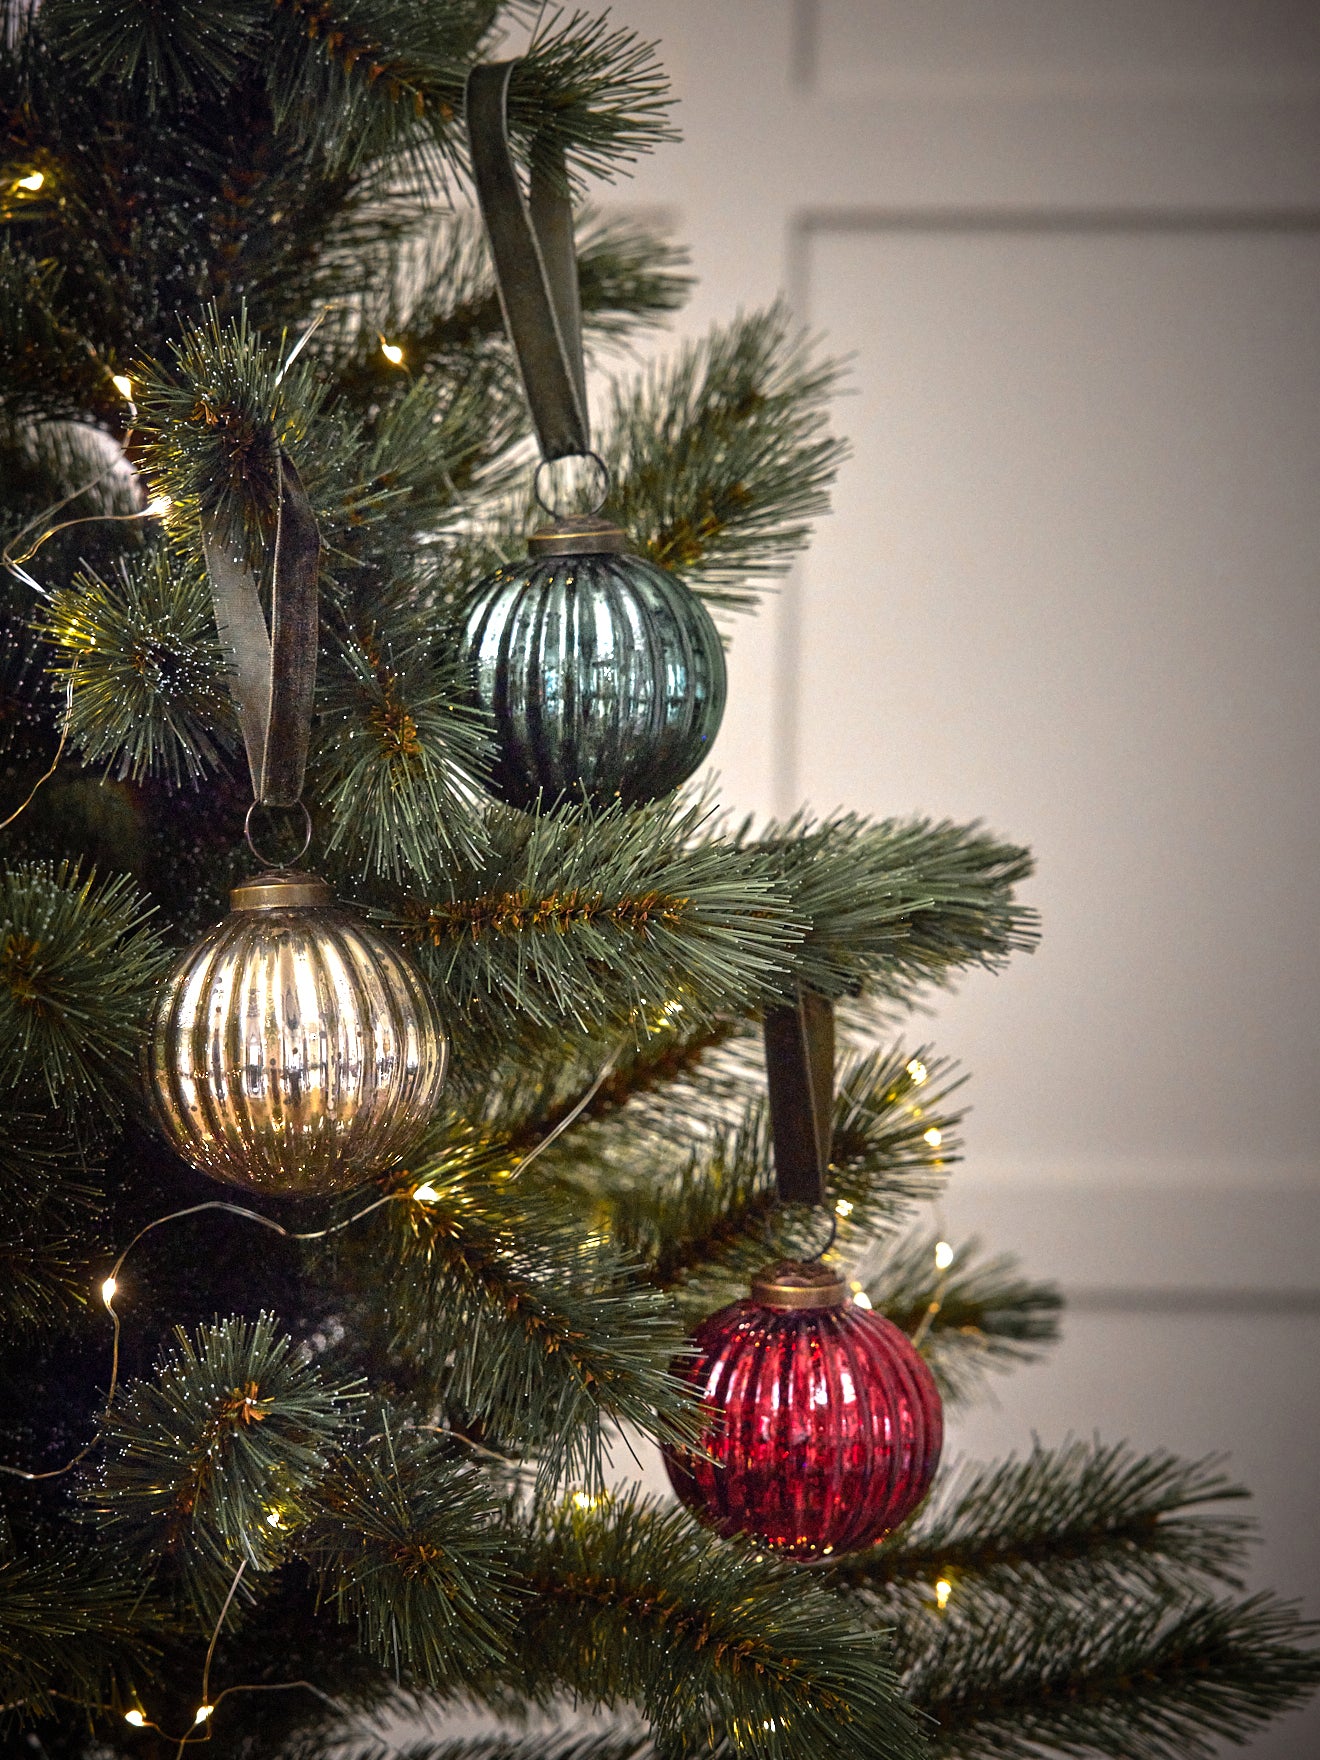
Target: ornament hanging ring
pixel 830 1238
pixel 603 471
pixel 271 862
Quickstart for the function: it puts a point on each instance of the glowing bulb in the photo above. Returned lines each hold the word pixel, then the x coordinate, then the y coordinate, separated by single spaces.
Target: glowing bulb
pixel 943 1255
pixel 108 1289
pixel 843 1208
pixel 123 385
pixel 918 1071
pixel 158 506
pixel 392 352
pixel 933 1136
pixel 943 1590
pixel 862 1300
pixel 425 1193
pixel 584 1500
pixel 273 1518
pixel 202 1713
pixel 136 1718
pixel 32 181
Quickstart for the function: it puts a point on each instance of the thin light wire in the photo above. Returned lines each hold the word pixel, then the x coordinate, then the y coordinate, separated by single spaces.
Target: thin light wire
pixel 607 1069
pixel 206 1666
pixel 113 1277
pixel 13 558
pixel 308 334
pixel 59 749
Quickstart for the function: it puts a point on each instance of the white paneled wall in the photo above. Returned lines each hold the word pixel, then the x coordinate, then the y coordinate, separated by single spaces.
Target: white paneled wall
pixel 1070 586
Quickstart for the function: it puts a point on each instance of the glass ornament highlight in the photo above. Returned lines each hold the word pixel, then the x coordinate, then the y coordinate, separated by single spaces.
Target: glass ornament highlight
pixel 293 1050
pixel 824 1425
pixel 604 674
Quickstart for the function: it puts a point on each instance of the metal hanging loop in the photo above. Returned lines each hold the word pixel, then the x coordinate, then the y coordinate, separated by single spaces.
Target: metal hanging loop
pixel 531 243
pixel 602 491
pixel 274 861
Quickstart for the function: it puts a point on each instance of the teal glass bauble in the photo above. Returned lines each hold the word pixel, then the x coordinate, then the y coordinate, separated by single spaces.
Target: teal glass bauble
pixel 603 674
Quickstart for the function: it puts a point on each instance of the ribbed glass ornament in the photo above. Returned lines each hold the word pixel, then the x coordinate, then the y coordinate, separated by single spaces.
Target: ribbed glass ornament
pixel 825 1426
pixel 603 673
pixel 292 1050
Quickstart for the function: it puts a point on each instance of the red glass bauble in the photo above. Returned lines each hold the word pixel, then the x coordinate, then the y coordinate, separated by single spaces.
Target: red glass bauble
pixel 825 1425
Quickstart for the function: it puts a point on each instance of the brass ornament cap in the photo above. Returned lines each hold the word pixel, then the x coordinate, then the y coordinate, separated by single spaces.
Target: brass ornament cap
pixel 293 1050
pixel 793 1283
pixel 578 534
pixel 280 889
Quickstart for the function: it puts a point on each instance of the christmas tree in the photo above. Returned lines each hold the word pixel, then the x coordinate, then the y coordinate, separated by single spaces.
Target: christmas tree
pixel 278 1467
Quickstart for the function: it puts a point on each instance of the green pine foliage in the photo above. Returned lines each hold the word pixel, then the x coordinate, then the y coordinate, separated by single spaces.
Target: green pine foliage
pixel 347 1472
pixel 78 969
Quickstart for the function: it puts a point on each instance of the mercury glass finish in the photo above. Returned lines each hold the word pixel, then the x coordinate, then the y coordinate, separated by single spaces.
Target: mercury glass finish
pixel 824 1427
pixel 604 674
pixel 292 1050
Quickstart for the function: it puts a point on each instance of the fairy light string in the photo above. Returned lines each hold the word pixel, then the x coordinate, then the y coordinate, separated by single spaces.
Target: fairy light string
pixel 424 1192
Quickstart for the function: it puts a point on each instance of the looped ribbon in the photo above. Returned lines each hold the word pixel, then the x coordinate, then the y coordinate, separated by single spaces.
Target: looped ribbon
pixel 272 677
pixel 799 1064
pixel 531 244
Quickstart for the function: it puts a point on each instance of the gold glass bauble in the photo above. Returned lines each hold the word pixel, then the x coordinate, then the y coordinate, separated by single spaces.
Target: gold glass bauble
pixel 292 1050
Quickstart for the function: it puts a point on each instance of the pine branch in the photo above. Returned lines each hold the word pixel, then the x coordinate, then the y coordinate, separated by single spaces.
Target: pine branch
pixel 213 429
pixel 188 51
pixel 78 969
pixel 359 81
pixel 592 92
pixel 632 1601
pixel 528 1327
pixel 148 674
pixel 684 1077
pixel 46 367
pixel 897 904
pixel 66 1620
pixel 1084 1518
pixel 722 457
pixel 432 293
pixel 1127 1679
pixel 216 1461
pixel 398 758
pixel 603 923
pixel 50 1208
pixel 981 1314
pixel 409 1550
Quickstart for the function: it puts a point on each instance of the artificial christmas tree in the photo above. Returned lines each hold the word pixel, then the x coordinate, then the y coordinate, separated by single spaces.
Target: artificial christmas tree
pixel 265 1468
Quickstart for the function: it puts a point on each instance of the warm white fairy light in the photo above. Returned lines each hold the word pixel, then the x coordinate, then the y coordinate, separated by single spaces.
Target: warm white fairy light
pixel 273 1518
pixel 584 1500
pixel 425 1193
pixel 392 352
pixel 136 1718
pixel 202 1713
pixel 843 1208
pixel 918 1071
pixel 943 1590
pixel 123 385
pixel 108 1289
pixel 934 1136
pixel 862 1300
pixel 33 181
pixel 158 506
pixel 943 1255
